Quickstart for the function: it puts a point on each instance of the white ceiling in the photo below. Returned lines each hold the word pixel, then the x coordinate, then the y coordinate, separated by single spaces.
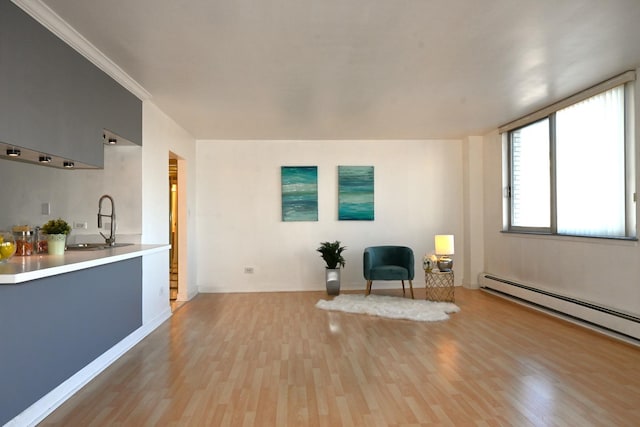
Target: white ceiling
pixel 358 69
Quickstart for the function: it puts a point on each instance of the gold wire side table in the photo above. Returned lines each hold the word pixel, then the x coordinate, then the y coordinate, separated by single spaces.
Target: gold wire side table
pixel 439 285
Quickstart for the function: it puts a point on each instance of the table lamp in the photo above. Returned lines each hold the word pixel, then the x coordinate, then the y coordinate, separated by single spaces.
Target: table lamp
pixel 444 248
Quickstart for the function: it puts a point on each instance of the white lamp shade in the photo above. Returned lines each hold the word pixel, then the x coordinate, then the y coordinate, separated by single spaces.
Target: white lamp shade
pixel 444 244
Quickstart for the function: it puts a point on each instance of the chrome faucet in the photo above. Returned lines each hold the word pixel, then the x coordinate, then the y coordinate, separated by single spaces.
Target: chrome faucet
pixel 111 240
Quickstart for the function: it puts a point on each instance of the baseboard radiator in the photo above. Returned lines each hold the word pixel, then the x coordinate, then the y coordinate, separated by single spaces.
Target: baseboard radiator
pixel 588 314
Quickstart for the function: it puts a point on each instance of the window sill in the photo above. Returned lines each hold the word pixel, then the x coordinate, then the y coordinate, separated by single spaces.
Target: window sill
pixel 569 237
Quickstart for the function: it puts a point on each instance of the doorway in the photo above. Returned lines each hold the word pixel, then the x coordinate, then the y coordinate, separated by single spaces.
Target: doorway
pixel 173 231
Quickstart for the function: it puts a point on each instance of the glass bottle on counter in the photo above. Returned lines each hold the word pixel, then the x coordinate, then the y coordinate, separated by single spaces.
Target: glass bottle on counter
pixel 24 241
pixel 40 241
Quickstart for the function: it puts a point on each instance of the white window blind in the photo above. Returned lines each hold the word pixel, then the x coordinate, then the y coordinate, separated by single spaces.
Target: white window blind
pixel 590 166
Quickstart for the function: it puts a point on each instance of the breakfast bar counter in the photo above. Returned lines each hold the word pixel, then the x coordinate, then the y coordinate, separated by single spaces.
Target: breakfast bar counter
pixel 20 269
pixel 60 313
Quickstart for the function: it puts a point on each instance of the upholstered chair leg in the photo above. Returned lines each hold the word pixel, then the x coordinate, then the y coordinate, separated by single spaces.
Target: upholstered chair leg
pixel 368 287
pixel 411 287
pixel 402 287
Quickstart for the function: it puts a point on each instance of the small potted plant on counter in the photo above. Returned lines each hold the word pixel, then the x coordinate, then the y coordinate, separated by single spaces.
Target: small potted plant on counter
pixel 331 253
pixel 57 231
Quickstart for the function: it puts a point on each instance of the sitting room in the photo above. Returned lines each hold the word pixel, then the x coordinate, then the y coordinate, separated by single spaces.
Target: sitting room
pixel 507 128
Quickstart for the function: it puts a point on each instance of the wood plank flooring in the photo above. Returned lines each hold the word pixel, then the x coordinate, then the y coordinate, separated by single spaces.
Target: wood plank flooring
pixel 273 359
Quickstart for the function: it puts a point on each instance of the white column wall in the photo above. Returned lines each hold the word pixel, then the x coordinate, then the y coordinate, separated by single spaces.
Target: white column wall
pixel 472 172
pixel 160 135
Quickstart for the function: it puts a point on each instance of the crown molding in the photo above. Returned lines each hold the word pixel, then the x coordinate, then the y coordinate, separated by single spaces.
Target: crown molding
pixel 58 26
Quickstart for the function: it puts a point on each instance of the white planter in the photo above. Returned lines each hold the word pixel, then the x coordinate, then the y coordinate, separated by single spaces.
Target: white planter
pixel 56 243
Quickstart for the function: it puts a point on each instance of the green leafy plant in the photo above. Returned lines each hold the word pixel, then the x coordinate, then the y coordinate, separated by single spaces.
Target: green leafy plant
pixel 331 253
pixel 56 226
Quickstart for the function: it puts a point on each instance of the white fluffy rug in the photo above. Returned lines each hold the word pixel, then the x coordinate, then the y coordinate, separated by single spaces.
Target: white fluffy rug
pixel 391 307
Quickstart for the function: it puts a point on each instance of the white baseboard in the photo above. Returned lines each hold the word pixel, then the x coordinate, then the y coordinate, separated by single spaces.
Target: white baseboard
pixel 56 397
pixel 589 314
pixel 360 286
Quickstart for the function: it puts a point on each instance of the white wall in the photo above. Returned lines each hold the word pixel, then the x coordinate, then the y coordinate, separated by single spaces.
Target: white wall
pixel 161 135
pixel 418 193
pixel 473 177
pixel 602 271
pixel 73 194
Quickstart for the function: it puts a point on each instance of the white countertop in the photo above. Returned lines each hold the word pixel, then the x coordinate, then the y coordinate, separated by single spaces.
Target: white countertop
pixel 20 269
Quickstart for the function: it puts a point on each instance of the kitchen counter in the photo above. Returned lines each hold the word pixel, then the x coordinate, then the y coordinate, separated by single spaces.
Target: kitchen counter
pixel 20 269
pixel 59 313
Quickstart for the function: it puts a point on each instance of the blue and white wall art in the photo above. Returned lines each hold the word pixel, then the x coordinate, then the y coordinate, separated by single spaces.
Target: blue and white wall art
pixel 299 193
pixel 355 193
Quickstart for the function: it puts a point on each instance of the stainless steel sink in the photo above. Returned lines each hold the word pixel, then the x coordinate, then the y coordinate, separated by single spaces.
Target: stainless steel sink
pixel 94 246
pixel 85 246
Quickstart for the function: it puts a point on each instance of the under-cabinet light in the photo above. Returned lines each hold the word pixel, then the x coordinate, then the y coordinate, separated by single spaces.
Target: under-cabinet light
pixel 68 165
pixel 13 152
pixel 44 159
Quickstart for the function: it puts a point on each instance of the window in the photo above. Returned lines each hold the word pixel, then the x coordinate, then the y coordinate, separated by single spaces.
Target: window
pixel 530 178
pixel 571 169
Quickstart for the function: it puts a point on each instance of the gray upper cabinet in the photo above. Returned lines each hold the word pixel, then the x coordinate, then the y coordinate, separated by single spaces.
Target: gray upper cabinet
pixel 54 100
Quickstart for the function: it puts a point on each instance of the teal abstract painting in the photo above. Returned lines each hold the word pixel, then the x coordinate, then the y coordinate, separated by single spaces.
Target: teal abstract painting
pixel 355 193
pixel 299 193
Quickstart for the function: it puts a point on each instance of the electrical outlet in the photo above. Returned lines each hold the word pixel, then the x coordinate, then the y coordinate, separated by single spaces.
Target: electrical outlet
pixel 80 225
pixel 248 270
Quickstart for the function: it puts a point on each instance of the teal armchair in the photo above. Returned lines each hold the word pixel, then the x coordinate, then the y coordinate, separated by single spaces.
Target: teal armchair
pixel 388 263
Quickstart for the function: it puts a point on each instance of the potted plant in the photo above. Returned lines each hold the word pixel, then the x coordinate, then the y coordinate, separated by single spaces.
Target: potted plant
pixel 57 231
pixel 331 253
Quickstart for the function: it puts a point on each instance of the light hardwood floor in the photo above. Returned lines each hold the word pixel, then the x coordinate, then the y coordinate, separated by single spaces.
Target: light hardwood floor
pixel 273 359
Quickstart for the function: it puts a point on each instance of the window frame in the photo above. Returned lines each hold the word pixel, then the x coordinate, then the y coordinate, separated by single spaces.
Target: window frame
pixel 510 162
pixel 628 80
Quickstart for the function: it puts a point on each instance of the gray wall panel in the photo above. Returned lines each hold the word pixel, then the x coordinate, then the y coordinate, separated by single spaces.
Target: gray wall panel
pixel 51 328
